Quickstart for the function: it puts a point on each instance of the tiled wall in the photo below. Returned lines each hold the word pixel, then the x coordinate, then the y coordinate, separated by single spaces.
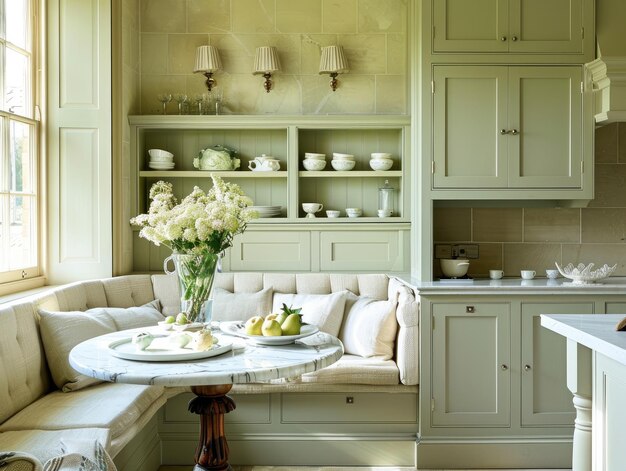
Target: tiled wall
pixel 514 239
pixel 372 32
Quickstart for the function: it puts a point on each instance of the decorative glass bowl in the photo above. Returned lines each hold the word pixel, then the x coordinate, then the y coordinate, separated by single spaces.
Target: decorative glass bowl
pixel 583 274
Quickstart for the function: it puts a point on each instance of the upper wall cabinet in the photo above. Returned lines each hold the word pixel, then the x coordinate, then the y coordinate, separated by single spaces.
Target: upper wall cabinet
pixel 510 26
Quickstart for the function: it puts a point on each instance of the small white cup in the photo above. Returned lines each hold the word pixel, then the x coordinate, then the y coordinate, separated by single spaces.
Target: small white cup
pixel 528 274
pixel 384 213
pixel 495 274
pixel 332 213
pixel 552 274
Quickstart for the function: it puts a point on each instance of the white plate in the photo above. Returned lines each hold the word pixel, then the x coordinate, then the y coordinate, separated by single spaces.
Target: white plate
pixel 162 350
pixel 161 167
pixel 237 328
pixel 190 326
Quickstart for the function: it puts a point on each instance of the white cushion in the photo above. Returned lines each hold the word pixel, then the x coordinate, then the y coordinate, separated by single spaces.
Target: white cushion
pixel 351 369
pixel 229 306
pixel 322 310
pixel 62 331
pixel 369 328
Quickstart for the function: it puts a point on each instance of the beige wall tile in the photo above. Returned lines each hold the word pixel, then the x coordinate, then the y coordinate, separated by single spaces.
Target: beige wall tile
pixel 551 225
pixel 181 52
pixel 244 94
pixel 391 94
pixel 610 181
pixel 154 53
pixel 339 16
pixel 366 53
pixel 253 16
pixel 604 225
pixel 497 224
pixel 599 254
pixel 208 16
pixel 397 57
pixel 355 94
pixel 299 16
pixel 311 50
pixel 489 258
pixel 163 16
pixel 152 85
pixel 382 16
pixel 452 224
pixel 606 144
pixel 538 257
pixel 621 143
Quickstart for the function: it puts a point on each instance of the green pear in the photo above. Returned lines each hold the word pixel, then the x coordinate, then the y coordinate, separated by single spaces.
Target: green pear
pixel 269 317
pixel 292 325
pixel 170 319
pixel 253 325
pixel 181 319
pixel 271 328
pixel 282 317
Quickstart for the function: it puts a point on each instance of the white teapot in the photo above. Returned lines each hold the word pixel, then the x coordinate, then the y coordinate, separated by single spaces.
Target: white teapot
pixel 264 163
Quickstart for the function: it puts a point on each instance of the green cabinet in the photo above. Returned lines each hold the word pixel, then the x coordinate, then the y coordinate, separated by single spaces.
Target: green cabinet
pixel 509 26
pixel 508 127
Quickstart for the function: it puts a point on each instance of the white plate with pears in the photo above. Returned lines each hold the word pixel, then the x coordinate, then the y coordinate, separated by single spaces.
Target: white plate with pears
pixel 237 328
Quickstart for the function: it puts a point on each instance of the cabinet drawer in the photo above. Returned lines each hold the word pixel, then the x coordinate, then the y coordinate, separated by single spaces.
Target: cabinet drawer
pixel 271 250
pixel 251 409
pixel 363 250
pixel 349 407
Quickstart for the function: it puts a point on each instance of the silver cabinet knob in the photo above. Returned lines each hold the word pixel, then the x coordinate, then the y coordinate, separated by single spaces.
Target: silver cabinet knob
pixel 515 132
pixel 526 367
pixel 504 367
pixel 503 131
pixel 503 38
pixel 470 309
pixel 514 38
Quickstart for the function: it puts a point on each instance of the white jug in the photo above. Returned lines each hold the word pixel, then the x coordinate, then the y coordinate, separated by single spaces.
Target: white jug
pixel 264 163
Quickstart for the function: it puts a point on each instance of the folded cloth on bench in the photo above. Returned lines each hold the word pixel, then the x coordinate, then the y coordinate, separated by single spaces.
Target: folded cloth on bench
pixel 17 461
pixel 81 455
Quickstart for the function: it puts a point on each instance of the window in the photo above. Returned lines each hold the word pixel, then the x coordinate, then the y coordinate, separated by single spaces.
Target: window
pixel 19 201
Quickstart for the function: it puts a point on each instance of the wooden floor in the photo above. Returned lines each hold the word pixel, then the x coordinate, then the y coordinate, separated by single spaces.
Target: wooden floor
pixel 329 468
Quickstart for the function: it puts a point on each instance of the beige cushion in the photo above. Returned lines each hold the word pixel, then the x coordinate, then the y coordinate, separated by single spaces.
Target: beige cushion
pixel 407 348
pixel 167 291
pixel 113 406
pixel 46 444
pixel 229 306
pixel 351 369
pixel 369 328
pixel 322 310
pixel 62 331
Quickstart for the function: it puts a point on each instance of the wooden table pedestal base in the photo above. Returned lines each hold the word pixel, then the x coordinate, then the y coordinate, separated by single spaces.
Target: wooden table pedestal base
pixel 211 403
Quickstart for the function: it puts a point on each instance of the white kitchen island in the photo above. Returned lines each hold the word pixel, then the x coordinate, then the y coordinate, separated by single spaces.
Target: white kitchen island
pixel 596 375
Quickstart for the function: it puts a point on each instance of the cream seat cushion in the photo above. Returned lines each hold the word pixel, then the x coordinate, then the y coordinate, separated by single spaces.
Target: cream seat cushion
pixel 46 444
pixel 113 406
pixel 353 369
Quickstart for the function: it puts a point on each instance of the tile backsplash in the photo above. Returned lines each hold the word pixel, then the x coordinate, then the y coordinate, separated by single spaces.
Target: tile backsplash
pixel 373 34
pixel 514 239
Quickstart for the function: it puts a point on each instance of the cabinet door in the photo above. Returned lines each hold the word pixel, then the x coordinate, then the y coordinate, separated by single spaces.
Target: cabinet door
pixel 545 127
pixel 540 26
pixel 476 26
pixel 470 109
pixel 471 371
pixel 545 397
pixel 271 250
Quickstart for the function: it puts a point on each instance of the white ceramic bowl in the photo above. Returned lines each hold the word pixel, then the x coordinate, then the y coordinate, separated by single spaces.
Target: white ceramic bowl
pixel 331 213
pixel 343 165
pixel 314 164
pixel 454 268
pixel 381 155
pixel 160 155
pixel 311 155
pixel 338 156
pixel 354 212
pixel 381 164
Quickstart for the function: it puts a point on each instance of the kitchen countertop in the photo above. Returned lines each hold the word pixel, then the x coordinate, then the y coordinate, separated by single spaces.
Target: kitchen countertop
pixel 595 331
pixel 560 286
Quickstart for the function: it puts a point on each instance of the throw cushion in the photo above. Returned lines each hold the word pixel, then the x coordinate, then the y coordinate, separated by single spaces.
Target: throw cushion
pixel 369 328
pixel 322 310
pixel 62 331
pixel 229 306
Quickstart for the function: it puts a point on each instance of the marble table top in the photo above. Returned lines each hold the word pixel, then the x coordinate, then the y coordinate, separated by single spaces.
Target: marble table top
pixel 245 363
pixel 595 331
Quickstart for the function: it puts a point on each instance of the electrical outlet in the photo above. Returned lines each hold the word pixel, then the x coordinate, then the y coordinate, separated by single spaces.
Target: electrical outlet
pixel 443 251
pixel 467 250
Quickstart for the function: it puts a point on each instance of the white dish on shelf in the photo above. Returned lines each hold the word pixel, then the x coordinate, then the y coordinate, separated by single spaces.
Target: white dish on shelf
pixel 380 155
pixel 339 156
pixel 160 154
pixel 237 329
pixel 343 165
pixel 583 274
pixel 381 164
pixel 156 166
pixel 267 211
pixel 314 156
pixel 161 349
pixel 314 164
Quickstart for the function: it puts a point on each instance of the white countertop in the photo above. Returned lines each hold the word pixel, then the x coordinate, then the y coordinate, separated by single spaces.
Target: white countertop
pixel 610 286
pixel 595 331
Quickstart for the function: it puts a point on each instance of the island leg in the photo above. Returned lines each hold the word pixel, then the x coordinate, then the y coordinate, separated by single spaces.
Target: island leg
pixel 579 383
pixel 211 403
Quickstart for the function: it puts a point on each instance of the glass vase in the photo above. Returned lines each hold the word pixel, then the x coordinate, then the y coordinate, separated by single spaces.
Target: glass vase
pixel 196 274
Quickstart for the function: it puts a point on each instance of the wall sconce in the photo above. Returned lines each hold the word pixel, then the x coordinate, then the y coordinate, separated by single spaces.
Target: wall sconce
pixel 333 62
pixel 265 62
pixel 208 61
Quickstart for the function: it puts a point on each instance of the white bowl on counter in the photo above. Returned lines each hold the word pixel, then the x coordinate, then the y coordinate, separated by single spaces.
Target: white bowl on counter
pixel 343 165
pixel 454 267
pixel 314 164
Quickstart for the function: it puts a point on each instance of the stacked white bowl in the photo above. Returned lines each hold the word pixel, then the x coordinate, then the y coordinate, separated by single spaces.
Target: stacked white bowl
pixel 160 159
pixel 342 162
pixel 313 161
pixel 381 161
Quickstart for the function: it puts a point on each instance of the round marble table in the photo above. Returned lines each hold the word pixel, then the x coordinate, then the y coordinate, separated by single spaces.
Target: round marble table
pixel 210 379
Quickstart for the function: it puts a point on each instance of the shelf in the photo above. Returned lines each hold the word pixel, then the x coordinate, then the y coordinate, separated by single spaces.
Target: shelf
pixel 350 173
pixel 206 173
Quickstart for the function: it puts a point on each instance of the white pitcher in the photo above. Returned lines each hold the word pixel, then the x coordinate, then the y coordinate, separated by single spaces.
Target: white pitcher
pixel 264 163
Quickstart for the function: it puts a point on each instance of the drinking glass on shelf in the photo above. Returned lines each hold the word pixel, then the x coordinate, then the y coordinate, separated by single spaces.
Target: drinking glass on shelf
pixel 164 98
pixel 181 99
pixel 218 95
pixel 206 103
pixel 198 99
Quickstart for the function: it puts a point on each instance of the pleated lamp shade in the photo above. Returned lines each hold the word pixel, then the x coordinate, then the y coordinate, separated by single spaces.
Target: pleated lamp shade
pixel 266 60
pixel 333 60
pixel 207 59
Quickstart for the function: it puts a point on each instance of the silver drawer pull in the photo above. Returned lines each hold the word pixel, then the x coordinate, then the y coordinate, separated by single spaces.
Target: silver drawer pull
pixel 470 309
pixel 513 38
pixel 526 367
pixel 515 132
pixel 502 38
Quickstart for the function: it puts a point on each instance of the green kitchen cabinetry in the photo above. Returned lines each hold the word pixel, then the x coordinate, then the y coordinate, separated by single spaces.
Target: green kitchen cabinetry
pixel 513 26
pixel 509 127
